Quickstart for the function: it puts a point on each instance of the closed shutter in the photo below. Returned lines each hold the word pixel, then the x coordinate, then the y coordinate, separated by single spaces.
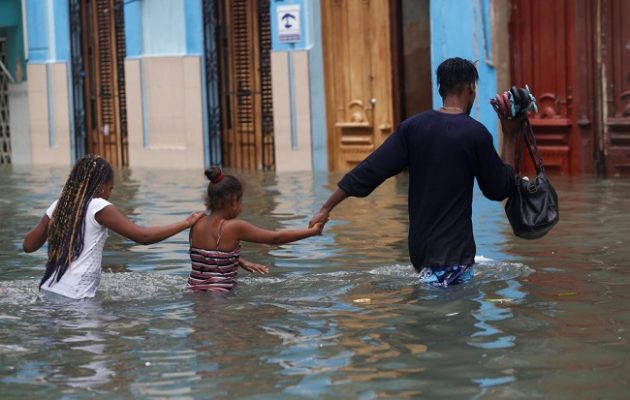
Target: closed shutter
pixel 104 54
pixel 268 155
pixel 246 101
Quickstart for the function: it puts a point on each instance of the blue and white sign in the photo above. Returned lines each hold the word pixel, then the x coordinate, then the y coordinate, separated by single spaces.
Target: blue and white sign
pixel 289 29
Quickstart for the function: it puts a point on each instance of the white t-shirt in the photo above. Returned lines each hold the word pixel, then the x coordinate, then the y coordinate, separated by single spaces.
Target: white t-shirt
pixel 84 274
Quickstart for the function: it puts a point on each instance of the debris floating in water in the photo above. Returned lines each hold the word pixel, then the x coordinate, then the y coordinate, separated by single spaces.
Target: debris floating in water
pixel 499 300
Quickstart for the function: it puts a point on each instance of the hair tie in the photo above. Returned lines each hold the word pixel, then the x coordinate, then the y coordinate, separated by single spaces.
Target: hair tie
pixel 218 178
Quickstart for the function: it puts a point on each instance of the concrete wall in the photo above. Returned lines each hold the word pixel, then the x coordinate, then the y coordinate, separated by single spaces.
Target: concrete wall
pixel 19 124
pixel 165 120
pixel 49 122
pixel 300 136
pixel 49 101
pixel 293 149
pixel 164 84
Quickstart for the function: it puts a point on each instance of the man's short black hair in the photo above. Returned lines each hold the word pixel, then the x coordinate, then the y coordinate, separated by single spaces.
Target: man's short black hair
pixel 454 74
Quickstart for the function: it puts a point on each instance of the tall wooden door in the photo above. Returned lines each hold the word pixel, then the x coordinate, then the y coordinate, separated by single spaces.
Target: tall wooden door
pixel 543 56
pixel 613 67
pixel 98 68
pixel 246 95
pixel 358 78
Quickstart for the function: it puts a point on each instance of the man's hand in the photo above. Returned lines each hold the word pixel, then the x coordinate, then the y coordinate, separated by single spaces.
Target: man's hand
pixel 512 126
pixel 320 218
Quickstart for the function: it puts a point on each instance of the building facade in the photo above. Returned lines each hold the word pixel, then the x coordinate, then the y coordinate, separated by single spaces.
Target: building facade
pixel 307 84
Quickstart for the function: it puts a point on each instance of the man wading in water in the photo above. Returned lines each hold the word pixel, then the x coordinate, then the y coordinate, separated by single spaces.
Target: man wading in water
pixel 445 150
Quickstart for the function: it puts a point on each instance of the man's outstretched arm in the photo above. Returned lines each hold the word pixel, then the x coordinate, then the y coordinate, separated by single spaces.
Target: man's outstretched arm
pixel 322 215
pixel 386 161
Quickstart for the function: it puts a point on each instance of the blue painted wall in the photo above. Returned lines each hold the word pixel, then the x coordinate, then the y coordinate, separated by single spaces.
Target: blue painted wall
pixel 319 137
pixel 133 29
pixel 164 28
pixel 48 27
pixel 461 28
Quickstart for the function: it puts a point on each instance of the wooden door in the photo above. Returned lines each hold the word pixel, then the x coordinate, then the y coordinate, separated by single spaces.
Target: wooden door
pixel 246 95
pixel 542 39
pixel 614 69
pixel 358 78
pixel 103 40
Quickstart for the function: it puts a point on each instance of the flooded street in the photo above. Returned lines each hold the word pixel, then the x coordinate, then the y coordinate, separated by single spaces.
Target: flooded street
pixel 338 316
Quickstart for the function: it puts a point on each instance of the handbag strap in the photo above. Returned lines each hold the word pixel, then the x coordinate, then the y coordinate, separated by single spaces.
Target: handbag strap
pixel 527 139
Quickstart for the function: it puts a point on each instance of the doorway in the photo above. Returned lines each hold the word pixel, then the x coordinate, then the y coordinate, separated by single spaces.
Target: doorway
pixel 98 78
pixel 377 65
pixel 238 78
pixel 412 58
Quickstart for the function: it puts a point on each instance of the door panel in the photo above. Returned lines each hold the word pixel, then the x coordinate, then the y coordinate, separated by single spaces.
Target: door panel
pixel 246 96
pixel 543 58
pixel 103 57
pixel 358 76
pixel 615 71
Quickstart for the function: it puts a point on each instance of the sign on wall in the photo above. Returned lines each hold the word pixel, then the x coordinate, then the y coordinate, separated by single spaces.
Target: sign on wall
pixel 289 29
pixel 291 25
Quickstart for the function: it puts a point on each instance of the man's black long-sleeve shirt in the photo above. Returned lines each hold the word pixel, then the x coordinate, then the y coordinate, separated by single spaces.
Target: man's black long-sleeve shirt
pixel 444 153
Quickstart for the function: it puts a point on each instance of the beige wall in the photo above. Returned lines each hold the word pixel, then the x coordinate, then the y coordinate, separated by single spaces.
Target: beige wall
pixel 19 122
pixel 288 159
pixel 43 78
pixel 172 112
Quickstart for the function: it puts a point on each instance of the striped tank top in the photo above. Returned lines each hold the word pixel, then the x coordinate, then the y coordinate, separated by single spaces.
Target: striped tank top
pixel 214 270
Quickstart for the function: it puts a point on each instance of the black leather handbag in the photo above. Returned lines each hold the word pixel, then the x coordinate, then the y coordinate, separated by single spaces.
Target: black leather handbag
pixel 532 208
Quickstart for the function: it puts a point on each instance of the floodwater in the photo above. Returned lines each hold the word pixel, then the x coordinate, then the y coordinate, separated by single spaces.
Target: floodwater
pixel 338 316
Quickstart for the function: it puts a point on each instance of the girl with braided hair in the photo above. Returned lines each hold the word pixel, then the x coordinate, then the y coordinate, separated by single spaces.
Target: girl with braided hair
pixel 75 227
pixel 215 239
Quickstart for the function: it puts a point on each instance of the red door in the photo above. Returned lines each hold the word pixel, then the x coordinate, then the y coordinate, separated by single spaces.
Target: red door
pixel 542 37
pixel 614 91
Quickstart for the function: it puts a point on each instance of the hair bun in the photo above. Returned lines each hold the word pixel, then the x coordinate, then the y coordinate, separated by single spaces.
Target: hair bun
pixel 214 174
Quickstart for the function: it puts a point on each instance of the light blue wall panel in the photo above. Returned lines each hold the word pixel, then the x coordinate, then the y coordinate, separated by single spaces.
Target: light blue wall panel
pixel 319 136
pixel 61 18
pixel 37 28
pixel 48 27
pixel 460 28
pixel 163 28
pixel 193 21
pixel 133 29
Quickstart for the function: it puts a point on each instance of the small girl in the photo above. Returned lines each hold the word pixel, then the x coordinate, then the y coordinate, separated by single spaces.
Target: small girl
pixel 214 240
pixel 76 225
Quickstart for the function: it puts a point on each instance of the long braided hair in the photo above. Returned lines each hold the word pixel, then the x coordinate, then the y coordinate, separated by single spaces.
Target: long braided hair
pixel 67 225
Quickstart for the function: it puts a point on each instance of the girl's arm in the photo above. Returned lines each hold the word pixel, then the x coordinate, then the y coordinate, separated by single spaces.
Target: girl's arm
pixel 36 238
pixel 116 221
pixel 250 233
